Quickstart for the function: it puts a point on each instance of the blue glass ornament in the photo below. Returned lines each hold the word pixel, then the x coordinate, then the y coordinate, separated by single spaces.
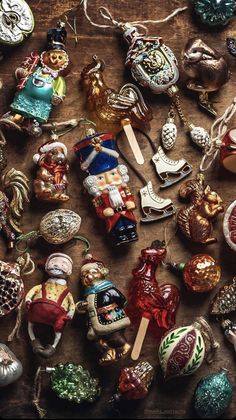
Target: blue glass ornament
pixel 215 12
pixel 213 395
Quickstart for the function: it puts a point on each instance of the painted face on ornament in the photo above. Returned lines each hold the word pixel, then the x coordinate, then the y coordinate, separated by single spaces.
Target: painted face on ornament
pixel 108 178
pixel 55 155
pixel 90 276
pixel 59 267
pixel 55 59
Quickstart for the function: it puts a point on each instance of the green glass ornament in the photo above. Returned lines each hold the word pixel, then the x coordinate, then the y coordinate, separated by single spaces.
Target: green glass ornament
pixel 213 395
pixel 74 383
pixel 215 12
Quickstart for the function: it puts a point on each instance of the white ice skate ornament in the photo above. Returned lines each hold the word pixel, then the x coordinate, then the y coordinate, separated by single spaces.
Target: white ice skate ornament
pixel 153 206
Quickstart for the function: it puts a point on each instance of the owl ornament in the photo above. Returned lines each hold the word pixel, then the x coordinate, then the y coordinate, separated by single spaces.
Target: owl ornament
pixel 182 350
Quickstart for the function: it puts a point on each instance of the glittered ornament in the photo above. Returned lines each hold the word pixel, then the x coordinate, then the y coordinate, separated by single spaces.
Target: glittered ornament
pixel 200 274
pixel 225 300
pixel 182 350
pixel 16 22
pixel 213 395
pixel 229 225
pixel 134 382
pixel 215 12
pixel 10 367
pixel 73 383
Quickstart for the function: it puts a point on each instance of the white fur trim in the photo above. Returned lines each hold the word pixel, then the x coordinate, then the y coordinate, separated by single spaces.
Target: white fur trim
pixel 49 146
pixel 36 158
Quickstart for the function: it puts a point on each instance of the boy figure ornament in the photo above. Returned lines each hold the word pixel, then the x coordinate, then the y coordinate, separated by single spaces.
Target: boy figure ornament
pixel 104 305
pixel 107 182
pixel 41 85
pixel 51 303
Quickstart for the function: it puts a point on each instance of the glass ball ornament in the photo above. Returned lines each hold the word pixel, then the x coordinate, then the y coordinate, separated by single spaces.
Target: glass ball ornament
pixel 215 12
pixel 213 395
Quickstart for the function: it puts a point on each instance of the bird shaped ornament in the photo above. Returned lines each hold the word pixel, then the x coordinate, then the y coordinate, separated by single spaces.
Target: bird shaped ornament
pixel 126 106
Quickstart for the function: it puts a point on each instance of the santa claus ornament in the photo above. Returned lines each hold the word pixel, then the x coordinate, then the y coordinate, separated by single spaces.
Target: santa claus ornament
pixel 104 305
pixel 51 303
pixel 107 182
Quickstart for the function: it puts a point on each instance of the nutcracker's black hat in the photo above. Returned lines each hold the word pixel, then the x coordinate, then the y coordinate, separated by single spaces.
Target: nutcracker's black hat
pixel 56 37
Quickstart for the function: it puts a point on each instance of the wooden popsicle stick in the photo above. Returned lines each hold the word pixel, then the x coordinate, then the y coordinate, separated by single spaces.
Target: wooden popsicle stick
pixel 139 338
pixel 132 141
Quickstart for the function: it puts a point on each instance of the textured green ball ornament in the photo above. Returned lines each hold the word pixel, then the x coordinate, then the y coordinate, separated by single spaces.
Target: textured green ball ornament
pixel 74 383
pixel 213 395
pixel 215 12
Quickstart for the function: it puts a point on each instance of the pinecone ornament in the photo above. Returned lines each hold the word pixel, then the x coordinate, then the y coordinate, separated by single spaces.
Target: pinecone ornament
pixel 225 300
pixel 169 134
pixel 200 137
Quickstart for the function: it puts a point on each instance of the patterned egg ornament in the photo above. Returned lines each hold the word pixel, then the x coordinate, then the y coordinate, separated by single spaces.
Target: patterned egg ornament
pixel 213 395
pixel 229 225
pixel 215 12
pixel 182 350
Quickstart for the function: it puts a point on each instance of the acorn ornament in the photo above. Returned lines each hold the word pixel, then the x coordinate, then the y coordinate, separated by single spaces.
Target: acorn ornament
pixel 213 395
pixel 200 274
pixel 183 349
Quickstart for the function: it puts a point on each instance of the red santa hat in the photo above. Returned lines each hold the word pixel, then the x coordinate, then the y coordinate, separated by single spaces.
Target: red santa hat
pixel 46 147
pixel 89 262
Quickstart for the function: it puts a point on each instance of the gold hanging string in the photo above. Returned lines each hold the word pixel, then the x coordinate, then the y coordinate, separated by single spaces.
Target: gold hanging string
pixel 16 330
pixel 26 263
pixel 37 392
pixel 106 14
pixel 217 132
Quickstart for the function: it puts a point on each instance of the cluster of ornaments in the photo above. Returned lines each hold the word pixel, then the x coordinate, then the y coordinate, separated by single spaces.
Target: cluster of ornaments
pixel 151 306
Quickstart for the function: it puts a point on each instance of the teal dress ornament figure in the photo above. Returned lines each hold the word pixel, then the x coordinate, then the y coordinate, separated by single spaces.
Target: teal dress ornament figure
pixel 41 85
pixel 213 395
pixel 215 12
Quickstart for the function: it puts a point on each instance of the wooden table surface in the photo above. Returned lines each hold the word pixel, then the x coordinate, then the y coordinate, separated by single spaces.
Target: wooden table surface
pixel 172 400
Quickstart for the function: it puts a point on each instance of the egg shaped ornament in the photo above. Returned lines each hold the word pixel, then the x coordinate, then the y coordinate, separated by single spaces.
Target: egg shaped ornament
pixel 229 225
pixel 228 151
pixel 10 367
pixel 215 12
pixel 59 226
pixel 200 274
pixel 183 349
pixel 213 395
pixel 16 22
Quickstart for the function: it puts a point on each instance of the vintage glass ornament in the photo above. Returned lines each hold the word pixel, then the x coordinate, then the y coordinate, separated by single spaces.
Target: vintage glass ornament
pixel 16 22
pixel 229 225
pixel 182 349
pixel 41 85
pixel 229 329
pixel 51 303
pixel 105 307
pixel 200 274
pixel 125 107
pixel 51 180
pixel 225 300
pixel 195 219
pixel 12 209
pixel 213 395
pixel 134 382
pixel 11 368
pixel 215 12
pixel 149 301
pixel 206 69
pixel 107 182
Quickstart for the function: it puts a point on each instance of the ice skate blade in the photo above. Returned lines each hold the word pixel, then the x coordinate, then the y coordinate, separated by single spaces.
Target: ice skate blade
pixel 149 217
pixel 177 176
pixel 209 108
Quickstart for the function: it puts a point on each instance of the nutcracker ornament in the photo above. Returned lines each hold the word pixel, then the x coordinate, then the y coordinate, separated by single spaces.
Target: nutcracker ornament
pixel 51 180
pixel 125 107
pixel 41 85
pixel 195 219
pixel 200 274
pixel 215 12
pixel 149 302
pixel 104 305
pixel 213 395
pixel 153 65
pixel 11 209
pixel 11 368
pixel 206 69
pixel 51 303
pixel 183 349
pixel 107 182
pixel 134 382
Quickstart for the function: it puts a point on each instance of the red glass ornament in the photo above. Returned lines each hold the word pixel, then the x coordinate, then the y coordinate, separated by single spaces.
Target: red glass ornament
pixel 149 301
pixel 228 151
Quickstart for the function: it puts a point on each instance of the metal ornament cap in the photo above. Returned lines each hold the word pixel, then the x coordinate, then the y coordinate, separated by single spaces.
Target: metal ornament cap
pixel 16 22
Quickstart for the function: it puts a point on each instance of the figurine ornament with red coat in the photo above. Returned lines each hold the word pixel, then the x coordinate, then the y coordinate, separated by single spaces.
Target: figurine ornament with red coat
pixel 107 182
pixel 104 305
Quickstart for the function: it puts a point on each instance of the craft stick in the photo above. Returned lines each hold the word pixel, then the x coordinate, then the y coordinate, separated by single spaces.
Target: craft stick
pixel 139 338
pixel 132 141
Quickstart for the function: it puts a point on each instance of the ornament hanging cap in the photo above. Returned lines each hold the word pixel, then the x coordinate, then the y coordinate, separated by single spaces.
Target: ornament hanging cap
pixel 89 263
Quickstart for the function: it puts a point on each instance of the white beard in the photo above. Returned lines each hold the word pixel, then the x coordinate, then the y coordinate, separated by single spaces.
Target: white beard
pixel 115 197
